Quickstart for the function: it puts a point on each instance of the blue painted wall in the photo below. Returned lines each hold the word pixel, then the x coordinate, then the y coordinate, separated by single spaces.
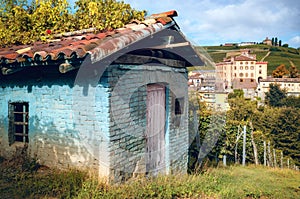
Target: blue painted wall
pixel 101 126
pixel 66 127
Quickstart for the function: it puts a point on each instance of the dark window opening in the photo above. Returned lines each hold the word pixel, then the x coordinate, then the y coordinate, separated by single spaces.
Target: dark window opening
pixel 18 122
pixel 179 106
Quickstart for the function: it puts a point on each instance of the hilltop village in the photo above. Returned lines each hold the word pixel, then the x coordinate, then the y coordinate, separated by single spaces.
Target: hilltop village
pixel 238 70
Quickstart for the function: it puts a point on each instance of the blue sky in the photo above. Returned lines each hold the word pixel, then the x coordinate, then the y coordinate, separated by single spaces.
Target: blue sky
pixel 215 22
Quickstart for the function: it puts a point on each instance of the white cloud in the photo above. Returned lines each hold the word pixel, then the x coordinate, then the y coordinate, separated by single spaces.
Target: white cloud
pixel 295 41
pixel 212 22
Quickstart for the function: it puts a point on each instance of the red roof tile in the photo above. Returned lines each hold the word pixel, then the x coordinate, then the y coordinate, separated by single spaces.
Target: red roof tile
pixel 243 58
pixel 78 44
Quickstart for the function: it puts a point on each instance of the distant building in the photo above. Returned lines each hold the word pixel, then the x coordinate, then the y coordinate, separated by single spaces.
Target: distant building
pixel 267 41
pixel 195 79
pixel 247 43
pixel 241 71
pixel 209 89
pixel 291 85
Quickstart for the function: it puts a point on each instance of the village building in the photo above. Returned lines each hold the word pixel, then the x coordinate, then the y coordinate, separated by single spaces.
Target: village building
pixel 290 85
pixel 194 80
pixel 241 71
pixel 208 89
pixel 115 103
pixel 267 41
pixel 247 43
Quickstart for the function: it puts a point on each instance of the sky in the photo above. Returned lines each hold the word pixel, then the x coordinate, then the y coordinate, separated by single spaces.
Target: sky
pixel 215 22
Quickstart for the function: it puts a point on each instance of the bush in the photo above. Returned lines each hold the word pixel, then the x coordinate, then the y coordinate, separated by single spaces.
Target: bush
pixel 285 45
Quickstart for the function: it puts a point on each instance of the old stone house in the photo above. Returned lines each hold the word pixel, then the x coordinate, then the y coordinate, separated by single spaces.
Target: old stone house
pixel 115 103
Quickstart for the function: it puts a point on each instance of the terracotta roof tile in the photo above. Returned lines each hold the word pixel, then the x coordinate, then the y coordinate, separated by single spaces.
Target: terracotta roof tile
pixel 243 58
pixel 79 43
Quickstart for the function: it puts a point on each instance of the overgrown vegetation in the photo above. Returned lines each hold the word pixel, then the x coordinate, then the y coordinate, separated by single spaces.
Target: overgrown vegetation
pixel 24 22
pixel 230 182
pixel 23 177
pixel 277 123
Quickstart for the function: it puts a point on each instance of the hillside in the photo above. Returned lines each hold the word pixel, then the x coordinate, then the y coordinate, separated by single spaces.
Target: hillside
pixel 273 55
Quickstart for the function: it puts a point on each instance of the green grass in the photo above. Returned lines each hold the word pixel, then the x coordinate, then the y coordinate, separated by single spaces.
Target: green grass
pixel 229 182
pixel 279 57
pixel 217 57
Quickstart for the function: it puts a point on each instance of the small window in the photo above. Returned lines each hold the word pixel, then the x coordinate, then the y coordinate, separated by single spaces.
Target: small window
pixel 179 102
pixel 252 67
pixel 235 68
pixel 241 62
pixel 252 80
pixel 252 75
pixel 18 122
pixel 241 74
pixel 246 68
pixel 241 68
pixel 259 71
pixel 241 80
pixel 246 74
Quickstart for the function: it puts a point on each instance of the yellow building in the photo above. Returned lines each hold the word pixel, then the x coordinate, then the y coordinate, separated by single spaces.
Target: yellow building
pixel 241 71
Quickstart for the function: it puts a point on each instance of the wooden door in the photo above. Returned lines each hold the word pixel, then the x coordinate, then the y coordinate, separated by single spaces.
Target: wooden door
pixel 155 133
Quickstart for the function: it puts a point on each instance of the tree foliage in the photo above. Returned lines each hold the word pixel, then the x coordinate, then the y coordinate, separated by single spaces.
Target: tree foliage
pixel 286 134
pixel 280 71
pixel 285 45
pixel 280 125
pixel 236 93
pixel 293 72
pixel 275 95
pixel 22 22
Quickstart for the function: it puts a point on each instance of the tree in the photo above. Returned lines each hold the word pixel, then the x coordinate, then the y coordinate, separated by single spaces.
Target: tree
pixel 280 71
pixel 104 14
pixel 285 45
pixel 275 95
pixel 279 42
pixel 236 93
pixel 291 101
pixel 286 133
pixel 24 22
pixel 276 43
pixel 273 42
pixel 293 71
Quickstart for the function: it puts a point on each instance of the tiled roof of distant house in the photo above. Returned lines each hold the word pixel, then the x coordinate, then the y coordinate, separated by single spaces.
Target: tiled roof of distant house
pixel 287 80
pixel 243 58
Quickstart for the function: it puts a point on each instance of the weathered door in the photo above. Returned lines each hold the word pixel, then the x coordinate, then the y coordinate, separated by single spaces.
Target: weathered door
pixel 155 133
